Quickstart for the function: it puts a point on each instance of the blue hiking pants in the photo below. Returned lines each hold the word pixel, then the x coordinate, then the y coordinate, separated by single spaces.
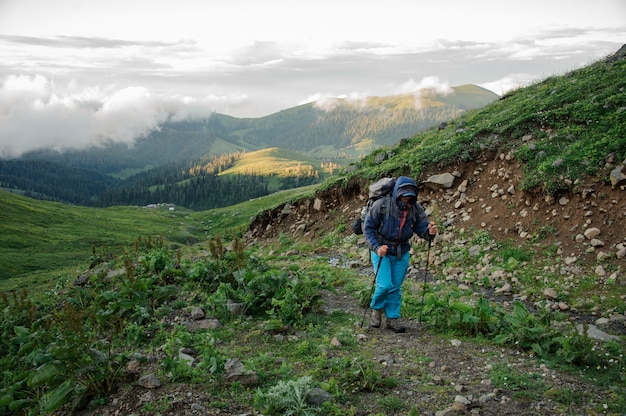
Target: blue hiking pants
pixel 388 292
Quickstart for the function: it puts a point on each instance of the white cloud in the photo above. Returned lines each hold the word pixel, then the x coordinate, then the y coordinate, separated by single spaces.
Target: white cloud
pixel 509 83
pixel 34 113
pixel 328 101
pixel 431 83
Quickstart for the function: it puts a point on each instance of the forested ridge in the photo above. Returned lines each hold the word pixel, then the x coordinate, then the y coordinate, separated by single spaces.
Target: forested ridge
pixel 51 181
pixel 196 185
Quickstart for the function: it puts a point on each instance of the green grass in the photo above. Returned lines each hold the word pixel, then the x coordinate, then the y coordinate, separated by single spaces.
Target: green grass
pixel 236 218
pixel 41 238
pixel 521 384
pixel 37 236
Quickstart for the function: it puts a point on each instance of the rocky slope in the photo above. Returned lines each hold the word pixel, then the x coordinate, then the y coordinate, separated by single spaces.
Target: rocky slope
pixel 580 234
pixel 484 194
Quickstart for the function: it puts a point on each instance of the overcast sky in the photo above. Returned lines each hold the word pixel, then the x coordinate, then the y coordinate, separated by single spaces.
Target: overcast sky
pixel 78 72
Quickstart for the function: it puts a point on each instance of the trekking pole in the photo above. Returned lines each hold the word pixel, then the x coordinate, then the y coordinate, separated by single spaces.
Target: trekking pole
pixel 371 291
pixel 425 274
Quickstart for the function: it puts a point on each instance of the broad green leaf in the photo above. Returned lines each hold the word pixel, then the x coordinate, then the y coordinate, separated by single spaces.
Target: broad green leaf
pixel 21 404
pixel 501 339
pixel 520 311
pixel 44 374
pixel 469 318
pixel 6 398
pixel 461 307
pixel 59 396
pixel 21 331
pixel 485 308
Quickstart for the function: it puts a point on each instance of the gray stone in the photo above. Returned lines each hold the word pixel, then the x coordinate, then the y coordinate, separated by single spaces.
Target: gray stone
pixel 318 396
pixel 197 313
pixel 444 180
pixel 506 288
pixel 596 242
pixel 591 233
pixel 149 381
pixel 114 273
pixel 618 178
pixel 595 333
pixel 550 293
pixel 187 358
pixel 286 209
pixel 235 371
pixel 204 324
pixel 319 205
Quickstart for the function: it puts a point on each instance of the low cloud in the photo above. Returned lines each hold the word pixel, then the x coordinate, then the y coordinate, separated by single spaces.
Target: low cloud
pixel 35 113
pixel 430 83
pixel 328 101
pixel 427 85
pixel 81 42
pixel 509 83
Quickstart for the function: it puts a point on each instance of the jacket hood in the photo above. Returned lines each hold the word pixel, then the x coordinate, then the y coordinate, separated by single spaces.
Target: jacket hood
pixel 405 184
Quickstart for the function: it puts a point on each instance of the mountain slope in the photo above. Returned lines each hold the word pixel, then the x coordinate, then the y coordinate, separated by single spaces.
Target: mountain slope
pixel 49 180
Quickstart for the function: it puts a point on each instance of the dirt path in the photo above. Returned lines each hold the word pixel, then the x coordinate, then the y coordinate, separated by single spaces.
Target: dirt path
pixel 434 370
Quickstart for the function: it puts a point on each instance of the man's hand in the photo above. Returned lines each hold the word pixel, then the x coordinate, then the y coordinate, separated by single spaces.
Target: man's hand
pixel 432 228
pixel 382 251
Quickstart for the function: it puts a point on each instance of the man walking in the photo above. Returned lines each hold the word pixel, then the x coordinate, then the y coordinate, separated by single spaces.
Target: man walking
pixel 390 224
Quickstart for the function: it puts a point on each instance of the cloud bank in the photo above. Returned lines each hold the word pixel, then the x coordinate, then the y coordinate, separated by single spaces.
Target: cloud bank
pixel 34 114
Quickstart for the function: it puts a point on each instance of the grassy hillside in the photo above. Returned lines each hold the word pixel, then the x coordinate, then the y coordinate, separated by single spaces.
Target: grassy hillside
pixel 562 129
pixel 40 236
pixel 469 96
pixel 40 239
pixel 274 161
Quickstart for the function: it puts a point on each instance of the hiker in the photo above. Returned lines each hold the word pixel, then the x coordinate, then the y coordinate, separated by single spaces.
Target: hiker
pixel 388 230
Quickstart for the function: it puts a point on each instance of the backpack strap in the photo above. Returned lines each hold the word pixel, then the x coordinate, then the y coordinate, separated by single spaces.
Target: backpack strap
pixel 385 211
pixel 383 208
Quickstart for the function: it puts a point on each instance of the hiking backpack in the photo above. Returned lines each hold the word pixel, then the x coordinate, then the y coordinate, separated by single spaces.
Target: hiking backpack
pixel 379 189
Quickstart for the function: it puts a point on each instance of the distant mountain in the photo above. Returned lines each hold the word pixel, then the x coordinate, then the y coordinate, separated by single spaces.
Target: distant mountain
pixel 332 133
pixel 337 129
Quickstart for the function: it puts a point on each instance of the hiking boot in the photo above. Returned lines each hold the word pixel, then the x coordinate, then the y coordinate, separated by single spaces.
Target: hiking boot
pixel 393 325
pixel 376 318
